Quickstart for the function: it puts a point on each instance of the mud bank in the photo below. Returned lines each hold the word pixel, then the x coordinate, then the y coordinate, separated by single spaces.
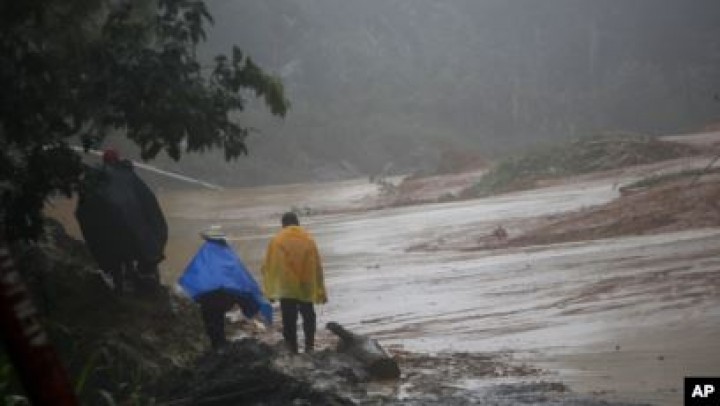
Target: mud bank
pixel 253 373
pixel 680 206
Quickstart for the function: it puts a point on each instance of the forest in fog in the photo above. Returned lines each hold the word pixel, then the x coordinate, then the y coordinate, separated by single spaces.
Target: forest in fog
pixel 394 84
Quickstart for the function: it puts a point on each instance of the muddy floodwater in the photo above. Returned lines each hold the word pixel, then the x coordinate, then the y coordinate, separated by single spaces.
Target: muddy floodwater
pixel 625 318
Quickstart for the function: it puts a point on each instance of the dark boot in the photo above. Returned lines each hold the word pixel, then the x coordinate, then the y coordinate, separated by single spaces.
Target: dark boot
pixel 309 344
pixel 291 346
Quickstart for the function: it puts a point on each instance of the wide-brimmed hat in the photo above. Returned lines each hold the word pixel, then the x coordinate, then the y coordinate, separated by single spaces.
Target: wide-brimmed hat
pixel 214 232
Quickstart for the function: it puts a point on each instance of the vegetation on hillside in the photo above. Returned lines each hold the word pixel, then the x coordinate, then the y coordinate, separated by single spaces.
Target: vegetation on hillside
pixel 575 157
pixel 114 348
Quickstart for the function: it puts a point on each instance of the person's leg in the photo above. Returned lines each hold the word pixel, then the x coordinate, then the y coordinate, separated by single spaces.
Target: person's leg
pixel 246 303
pixel 147 276
pixel 212 309
pixel 309 324
pixel 288 308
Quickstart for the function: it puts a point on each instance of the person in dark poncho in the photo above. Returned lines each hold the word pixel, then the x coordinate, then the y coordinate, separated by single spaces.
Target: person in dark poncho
pixel 217 280
pixel 122 223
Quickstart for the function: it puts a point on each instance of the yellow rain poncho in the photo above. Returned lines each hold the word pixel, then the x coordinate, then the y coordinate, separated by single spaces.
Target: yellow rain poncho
pixel 292 268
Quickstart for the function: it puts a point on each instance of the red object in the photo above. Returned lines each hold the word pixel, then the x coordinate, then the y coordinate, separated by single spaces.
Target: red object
pixel 110 156
pixel 28 345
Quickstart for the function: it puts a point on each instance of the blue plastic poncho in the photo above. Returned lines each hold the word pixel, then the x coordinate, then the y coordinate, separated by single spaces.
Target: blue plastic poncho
pixel 216 266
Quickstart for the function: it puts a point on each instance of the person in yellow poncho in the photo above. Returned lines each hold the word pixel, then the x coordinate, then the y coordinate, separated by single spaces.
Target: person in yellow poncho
pixel 293 274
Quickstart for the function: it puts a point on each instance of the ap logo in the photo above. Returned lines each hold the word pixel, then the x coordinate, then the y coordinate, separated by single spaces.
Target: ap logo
pixel 702 391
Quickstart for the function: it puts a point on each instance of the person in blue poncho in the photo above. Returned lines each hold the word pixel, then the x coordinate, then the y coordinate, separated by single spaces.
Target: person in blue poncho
pixel 217 280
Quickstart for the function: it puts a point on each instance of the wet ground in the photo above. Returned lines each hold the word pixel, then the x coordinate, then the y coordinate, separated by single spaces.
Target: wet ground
pixel 249 372
pixel 624 318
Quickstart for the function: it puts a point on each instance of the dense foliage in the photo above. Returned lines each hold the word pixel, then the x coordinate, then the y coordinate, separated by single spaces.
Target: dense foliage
pixel 73 71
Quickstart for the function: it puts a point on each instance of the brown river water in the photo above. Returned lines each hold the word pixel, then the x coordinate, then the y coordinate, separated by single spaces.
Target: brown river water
pixel 627 318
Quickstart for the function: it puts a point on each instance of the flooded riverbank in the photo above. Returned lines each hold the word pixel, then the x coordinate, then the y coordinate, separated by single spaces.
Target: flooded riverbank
pixel 596 313
pixel 623 318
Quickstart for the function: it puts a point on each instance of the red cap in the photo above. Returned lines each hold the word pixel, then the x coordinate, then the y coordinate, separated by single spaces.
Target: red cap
pixel 110 156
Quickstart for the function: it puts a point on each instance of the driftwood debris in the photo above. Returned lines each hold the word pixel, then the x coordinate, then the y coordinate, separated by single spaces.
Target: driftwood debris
pixel 366 350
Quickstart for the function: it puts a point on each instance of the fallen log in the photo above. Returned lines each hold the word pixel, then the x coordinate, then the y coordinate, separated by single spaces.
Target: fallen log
pixel 366 350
